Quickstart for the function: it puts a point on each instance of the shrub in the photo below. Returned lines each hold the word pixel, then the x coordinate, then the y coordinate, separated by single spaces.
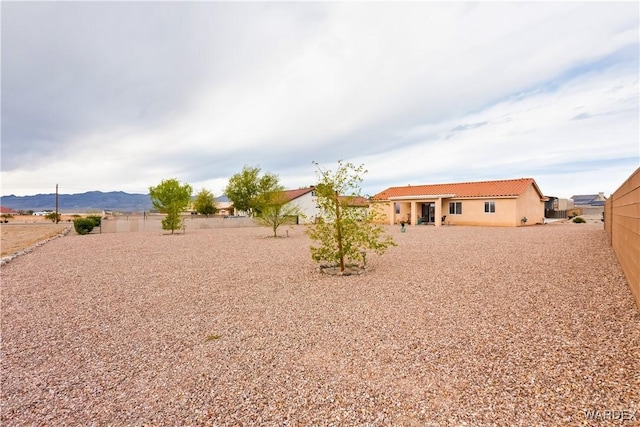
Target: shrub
pixel 96 220
pixel 53 217
pixel 83 225
pixel 579 220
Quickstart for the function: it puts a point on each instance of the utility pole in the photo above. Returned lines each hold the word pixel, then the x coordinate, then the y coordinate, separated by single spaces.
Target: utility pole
pixel 57 216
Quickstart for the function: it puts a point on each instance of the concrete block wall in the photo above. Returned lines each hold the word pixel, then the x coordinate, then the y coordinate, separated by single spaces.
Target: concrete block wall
pixel 622 224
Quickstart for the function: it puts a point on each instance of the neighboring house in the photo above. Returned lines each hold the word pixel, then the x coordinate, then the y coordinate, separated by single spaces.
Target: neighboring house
pixel 305 200
pixel 7 211
pixel 589 200
pixel 511 202
pixel 224 206
pixel 591 204
pixel 555 207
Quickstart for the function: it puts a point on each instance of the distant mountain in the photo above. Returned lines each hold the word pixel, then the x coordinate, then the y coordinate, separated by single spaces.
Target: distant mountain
pixel 85 202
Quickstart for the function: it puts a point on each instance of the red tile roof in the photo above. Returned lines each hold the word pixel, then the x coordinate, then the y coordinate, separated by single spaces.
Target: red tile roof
pixel 6 210
pixel 355 201
pixel 501 188
pixel 294 194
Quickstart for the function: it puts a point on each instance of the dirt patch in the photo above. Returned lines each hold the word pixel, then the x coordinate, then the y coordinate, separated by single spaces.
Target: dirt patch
pixel 19 236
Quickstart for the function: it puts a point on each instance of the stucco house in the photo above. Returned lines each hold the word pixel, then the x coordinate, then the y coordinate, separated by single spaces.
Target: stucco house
pixel 305 200
pixel 591 204
pixel 510 202
pixel 224 206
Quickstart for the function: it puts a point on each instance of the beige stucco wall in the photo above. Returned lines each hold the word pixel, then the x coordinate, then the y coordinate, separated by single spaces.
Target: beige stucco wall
pixel 381 210
pixel 531 207
pixel 473 212
pixel 508 213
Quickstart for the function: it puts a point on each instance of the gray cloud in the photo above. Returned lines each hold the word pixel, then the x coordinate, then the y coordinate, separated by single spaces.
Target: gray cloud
pixel 117 96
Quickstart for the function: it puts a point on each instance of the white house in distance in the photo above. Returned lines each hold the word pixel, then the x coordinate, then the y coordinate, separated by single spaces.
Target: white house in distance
pixel 305 200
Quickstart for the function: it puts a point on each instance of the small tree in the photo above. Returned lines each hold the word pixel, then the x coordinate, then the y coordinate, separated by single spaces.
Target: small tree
pixel 205 203
pixel 345 230
pixel 276 210
pixel 171 198
pixel 244 188
pixel 53 217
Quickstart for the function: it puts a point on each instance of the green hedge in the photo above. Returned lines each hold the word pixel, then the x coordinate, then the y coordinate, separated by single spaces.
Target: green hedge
pixel 86 225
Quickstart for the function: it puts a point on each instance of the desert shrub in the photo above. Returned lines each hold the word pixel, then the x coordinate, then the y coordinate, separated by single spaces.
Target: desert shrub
pixel 83 225
pixel 579 220
pixel 96 220
pixel 53 217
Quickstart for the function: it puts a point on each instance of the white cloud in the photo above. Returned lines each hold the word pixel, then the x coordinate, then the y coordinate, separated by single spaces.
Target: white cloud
pixel 417 91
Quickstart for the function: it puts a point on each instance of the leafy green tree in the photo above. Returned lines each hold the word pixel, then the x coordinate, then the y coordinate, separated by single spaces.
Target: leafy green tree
pixel 275 210
pixel 205 203
pixel 245 188
pixel 345 231
pixel 171 198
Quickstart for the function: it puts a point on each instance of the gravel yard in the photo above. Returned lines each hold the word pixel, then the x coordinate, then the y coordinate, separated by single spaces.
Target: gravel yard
pixel 483 326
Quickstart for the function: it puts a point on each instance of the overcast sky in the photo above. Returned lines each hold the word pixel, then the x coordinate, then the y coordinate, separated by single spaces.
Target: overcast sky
pixel 118 96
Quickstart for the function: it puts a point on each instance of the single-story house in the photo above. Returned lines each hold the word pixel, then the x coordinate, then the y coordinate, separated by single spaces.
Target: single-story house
pixel 591 204
pixel 224 206
pixel 305 200
pixel 589 200
pixel 510 202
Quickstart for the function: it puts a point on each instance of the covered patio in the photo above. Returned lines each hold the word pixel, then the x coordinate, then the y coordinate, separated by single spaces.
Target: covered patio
pixel 418 210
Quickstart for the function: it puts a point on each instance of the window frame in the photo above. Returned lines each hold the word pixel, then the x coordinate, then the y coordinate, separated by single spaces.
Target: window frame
pixel 455 208
pixel 489 206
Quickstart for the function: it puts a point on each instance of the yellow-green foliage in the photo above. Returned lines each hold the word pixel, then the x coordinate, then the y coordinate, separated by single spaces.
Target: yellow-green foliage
pixel 345 231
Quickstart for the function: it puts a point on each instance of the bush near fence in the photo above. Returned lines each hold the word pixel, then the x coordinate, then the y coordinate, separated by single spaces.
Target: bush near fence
pixel 622 224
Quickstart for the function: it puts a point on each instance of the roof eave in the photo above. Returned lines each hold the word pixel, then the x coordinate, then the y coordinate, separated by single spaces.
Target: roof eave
pixel 422 196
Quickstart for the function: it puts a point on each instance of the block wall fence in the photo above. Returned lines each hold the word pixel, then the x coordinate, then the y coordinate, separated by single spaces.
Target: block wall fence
pixel 622 224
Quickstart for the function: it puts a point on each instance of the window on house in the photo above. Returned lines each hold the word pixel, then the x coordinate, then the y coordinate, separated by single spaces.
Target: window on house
pixel 455 208
pixel 397 208
pixel 489 207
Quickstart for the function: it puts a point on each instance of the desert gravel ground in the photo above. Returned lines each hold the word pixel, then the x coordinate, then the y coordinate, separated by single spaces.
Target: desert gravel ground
pixel 15 237
pixel 455 326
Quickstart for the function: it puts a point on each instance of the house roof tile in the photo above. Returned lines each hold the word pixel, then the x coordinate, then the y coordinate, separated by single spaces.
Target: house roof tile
pixel 500 188
pixel 294 194
pixel 355 201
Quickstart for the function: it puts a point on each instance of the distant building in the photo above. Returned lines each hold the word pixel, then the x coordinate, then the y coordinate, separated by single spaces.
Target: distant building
pixel 591 204
pixel 305 199
pixel 224 206
pixel 557 208
pixel 589 200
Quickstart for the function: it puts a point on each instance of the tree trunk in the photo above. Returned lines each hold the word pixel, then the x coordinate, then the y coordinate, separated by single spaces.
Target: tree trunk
pixel 339 232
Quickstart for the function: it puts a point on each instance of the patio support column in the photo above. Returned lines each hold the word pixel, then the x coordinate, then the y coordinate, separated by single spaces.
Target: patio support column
pixel 438 212
pixel 414 214
pixel 392 212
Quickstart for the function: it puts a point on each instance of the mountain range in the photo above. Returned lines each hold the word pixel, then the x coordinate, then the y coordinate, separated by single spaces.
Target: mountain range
pixel 84 202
